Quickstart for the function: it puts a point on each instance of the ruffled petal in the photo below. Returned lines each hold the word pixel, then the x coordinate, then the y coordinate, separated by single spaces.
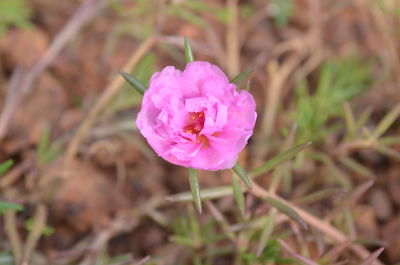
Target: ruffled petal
pixel 196 118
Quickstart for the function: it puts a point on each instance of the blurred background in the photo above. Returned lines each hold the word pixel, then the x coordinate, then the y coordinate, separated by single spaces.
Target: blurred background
pixel 79 184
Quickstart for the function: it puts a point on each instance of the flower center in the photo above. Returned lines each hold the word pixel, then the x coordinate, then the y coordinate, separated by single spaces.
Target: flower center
pixel 195 124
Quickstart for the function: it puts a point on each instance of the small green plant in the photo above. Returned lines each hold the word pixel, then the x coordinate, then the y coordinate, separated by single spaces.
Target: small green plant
pixel 5 206
pixel 191 11
pixel 13 13
pixel 46 151
pixel 47 230
pixel 188 231
pixel 339 81
pixel 141 11
pixel 272 254
pixel 282 12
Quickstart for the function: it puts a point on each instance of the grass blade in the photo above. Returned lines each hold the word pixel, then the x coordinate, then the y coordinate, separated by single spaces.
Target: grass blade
pixel 135 83
pixel 387 121
pixel 318 195
pixel 286 210
pixel 183 241
pixel 357 167
pixel 350 122
pixel 5 166
pixel 242 175
pixel 44 142
pixel 295 255
pixel 188 51
pixel 333 254
pixel 221 221
pixel 241 77
pixel 273 162
pixel 266 232
pixel 374 256
pixel 195 188
pixel 389 140
pixel 238 195
pixel 389 152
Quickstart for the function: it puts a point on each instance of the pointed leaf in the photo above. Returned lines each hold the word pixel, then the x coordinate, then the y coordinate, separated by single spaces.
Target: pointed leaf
pixel 5 166
pixel 276 160
pixel 188 51
pixel 266 232
pixel 358 192
pixel 237 168
pixel 195 188
pixel 238 195
pixel 285 209
pixel 136 84
pixel 241 77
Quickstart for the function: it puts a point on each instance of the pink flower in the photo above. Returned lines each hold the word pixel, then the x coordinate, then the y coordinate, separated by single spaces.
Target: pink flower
pixel 196 118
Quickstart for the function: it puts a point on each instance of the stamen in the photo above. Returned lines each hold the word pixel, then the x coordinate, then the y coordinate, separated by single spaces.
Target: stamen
pixel 195 123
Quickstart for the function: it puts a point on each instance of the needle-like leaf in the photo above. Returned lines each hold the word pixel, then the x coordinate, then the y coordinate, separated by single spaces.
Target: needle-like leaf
pixel 374 256
pixel 135 83
pixel 387 121
pixel 195 188
pixel 238 195
pixel 237 168
pixel 266 232
pixel 285 209
pixel 273 162
pixel 188 51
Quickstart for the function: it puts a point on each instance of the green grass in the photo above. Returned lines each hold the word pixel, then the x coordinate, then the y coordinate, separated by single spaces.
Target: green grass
pixel 13 13
pixel 338 81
